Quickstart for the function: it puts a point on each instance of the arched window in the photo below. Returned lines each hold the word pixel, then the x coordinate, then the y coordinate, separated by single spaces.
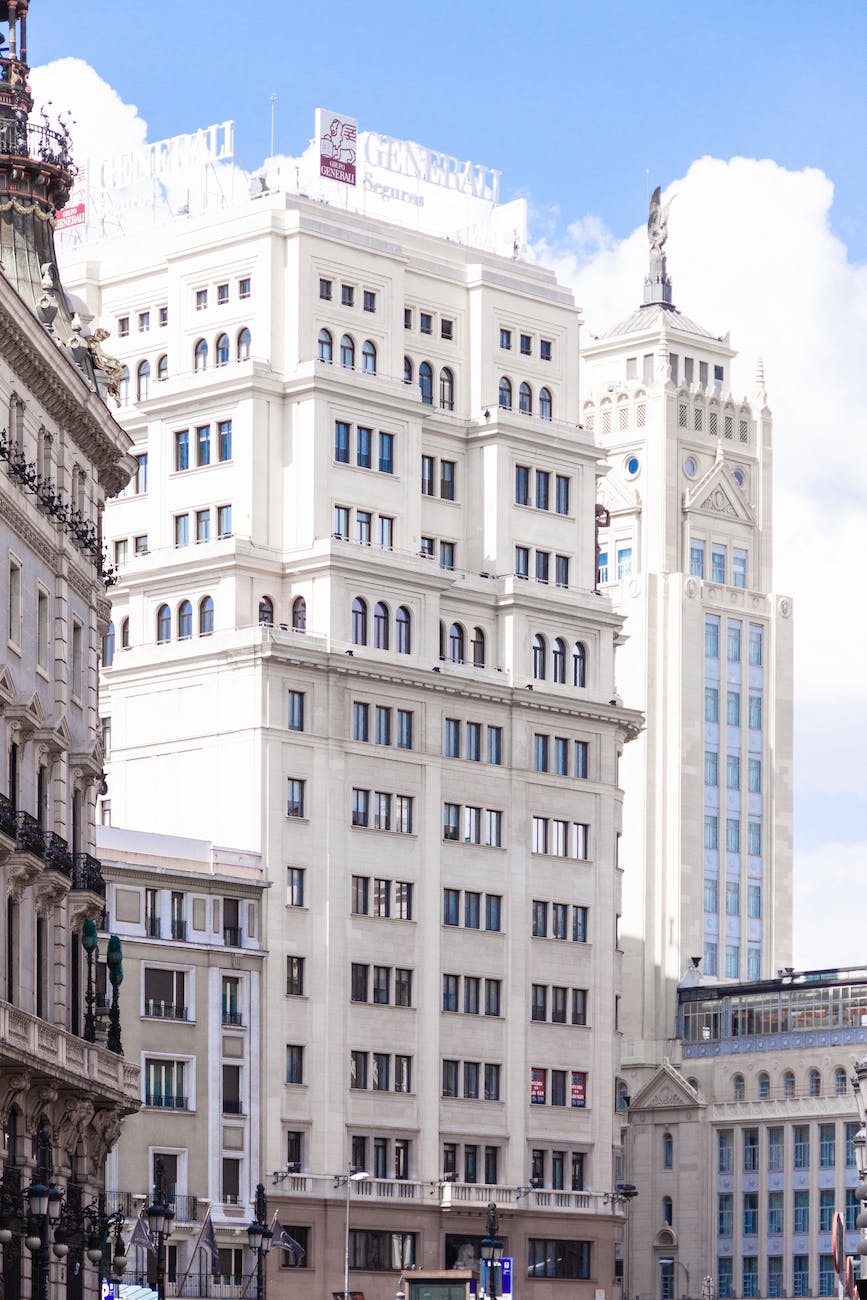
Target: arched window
pixel 380 626
pixel 245 340
pixel 359 622
pixel 162 369
pixel 206 616
pixel 788 1085
pixel 667 1211
pixel 667 1151
pixel 525 400
pixel 544 404
pixel 403 631
pixel 347 353
pixel 143 381
pixel 123 387
pixel 579 664
pixel 764 1087
pixel 738 1087
pixel 478 648
pixel 266 612
pixel 185 620
pixel 368 358
pixel 425 383
pixel 299 614
pixel 456 643
pixel 814 1083
pixel 164 625
pixel 108 643
pixel 124 634
pixel 839 1082
pixel 324 347
pixel 539 656
pixel 447 389
pixel 558 661
pixel 505 395
pixel 200 355
pixel 407 370
pixel 223 350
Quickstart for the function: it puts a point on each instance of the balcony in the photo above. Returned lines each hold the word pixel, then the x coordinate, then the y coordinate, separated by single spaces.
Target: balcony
pixel 232 936
pixel 57 855
pixel 198 1286
pixel 158 1010
pixel 233 1018
pixel 179 930
pixel 165 1101
pixel 29 837
pixel 79 1067
pixel 232 1106
pixel 186 1208
pixel 452 1195
pixel 153 929
pixel 87 874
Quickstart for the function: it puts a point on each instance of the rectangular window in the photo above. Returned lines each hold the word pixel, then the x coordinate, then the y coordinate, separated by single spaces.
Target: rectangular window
pixel 360 720
pixel 447 555
pixel 754 838
pixel 624 562
pixel 545 347
pixel 427 476
pixel 447 329
pixel 492 1079
pixel 383 725
pixel 543 560
pixel 733 898
pixel 451 907
pixel 711 637
pixel 506 340
pixel 733 772
pixel 362 527
pixel 492 997
pixel 472 909
pixel 404 729
pixel 294 1063
pixel 696 559
pixel 474 742
pixel 447 480
pixel 561 570
pixel 725 1214
pixel 295 977
pixel 543 488
pixel 522 485
pixel 42 629
pixel 472 825
pixel 493 911
pixel 403 900
pixel 201 299
pixel 710 958
pixel 756 637
pixel 222 295
pixel 224 521
pixel 450 1078
pixel 296 711
pixel 754 775
pixel 140 543
pixel 361 895
pixel 452 738
pixel 711 704
pixel 522 562
pixel 711 895
pixel 451 821
pixel 539 1002
pixel 182 449
pixel 493 828
pixel 182 530
pixel 363 443
pixel 801 1208
pixel 495 745
pixel 347 295
pixel 711 767
pixel 732 962
pixel 733 835
pixel 425 323
pixel 403 814
pixel 325 290
pixel 294 797
pixel 295 886
pixel 526 345
pixel 341 442
pixel 540 834
pixel 244 287
pixel 386 453
pixel 561 755
pixel 579 924
pixel 369 300
pixel 224 434
pixel 755 711
pixel 540 919
pixel 754 902
pixel 381 811
pixel 472 990
pixel 718 558
pixel 471 1080
pixel 540 753
pixel 386 533
pixel 733 641
pixel 358 1069
pixel 561 494
pixel 122 326
pixel 407 318
pixel 711 831
pixel 739 568
pixel 733 708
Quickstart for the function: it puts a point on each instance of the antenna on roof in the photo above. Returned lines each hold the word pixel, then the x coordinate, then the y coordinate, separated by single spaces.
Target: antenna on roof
pixel 273 111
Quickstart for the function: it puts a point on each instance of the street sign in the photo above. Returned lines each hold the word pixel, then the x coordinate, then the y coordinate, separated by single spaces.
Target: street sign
pixel 506 1275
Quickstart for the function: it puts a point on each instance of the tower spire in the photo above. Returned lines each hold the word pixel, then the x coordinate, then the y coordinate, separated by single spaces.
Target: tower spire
pixel 657 285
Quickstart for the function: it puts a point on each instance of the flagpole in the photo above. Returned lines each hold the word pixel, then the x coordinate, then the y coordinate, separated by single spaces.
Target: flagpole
pixel 183 1280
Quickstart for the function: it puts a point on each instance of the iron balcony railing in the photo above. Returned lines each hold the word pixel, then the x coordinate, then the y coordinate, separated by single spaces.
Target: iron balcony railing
pixel 156 1009
pixel 30 140
pixel 57 854
pixel 87 874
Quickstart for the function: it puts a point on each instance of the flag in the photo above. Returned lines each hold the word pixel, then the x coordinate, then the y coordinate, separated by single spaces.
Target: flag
pixel 208 1242
pixel 287 1242
pixel 141 1234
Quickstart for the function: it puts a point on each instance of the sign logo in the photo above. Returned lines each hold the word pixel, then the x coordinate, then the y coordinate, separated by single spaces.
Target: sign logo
pixel 338 138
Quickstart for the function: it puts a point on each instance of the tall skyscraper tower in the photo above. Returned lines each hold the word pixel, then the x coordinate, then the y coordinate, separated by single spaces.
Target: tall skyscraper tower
pixel 685 553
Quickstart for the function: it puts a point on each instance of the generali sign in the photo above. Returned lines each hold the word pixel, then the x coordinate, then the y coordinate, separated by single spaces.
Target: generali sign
pixel 340 149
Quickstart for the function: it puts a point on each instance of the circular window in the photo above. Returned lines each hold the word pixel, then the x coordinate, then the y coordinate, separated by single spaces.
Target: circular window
pixel 740 477
pixel 690 467
pixel 633 465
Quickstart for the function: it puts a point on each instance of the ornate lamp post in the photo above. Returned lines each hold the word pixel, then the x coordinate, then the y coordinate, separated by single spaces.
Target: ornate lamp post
pixel 259 1236
pixel 90 944
pixel 114 961
pixel 44 1204
pixel 491 1251
pixel 160 1216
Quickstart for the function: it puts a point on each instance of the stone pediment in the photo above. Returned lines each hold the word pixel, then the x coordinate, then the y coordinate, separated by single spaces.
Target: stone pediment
pixel 667 1090
pixel 615 498
pixel 55 736
pixel 7 686
pixel 28 712
pixel 718 493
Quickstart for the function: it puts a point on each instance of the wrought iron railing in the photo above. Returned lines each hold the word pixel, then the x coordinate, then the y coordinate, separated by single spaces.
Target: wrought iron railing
pixel 29 836
pixel 7 817
pixel 159 1010
pixel 57 855
pixel 23 139
pixel 87 874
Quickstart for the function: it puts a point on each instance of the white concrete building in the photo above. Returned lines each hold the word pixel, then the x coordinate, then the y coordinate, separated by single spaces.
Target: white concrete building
pixel 685 553
pixel 356 632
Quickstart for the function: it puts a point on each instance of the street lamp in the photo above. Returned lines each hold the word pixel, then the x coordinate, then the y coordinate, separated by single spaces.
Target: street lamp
pixel 90 944
pixel 259 1236
pixel 346 1180
pixel 491 1251
pixel 160 1218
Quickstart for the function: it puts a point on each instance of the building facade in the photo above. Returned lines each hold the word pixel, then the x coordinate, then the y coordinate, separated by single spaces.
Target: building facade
pixel 356 630
pixel 743 1142
pixel 685 553
pixel 190 917
pixel 63 1094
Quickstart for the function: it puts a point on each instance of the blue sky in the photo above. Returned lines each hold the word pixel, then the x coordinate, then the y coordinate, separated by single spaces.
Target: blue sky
pixel 575 102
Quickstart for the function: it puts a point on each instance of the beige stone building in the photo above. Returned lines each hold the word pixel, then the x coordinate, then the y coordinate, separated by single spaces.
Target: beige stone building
pixel 357 633
pixel 63 1095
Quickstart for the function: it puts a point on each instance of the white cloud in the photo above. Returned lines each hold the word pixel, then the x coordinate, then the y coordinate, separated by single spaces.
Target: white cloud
pixel 103 124
pixel 825 881
pixel 751 251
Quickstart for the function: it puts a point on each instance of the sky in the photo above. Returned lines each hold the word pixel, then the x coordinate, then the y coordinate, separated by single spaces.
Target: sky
pixel 755 115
